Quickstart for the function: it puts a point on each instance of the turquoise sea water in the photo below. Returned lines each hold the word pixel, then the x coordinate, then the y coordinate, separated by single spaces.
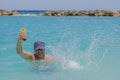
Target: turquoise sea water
pixel 86 48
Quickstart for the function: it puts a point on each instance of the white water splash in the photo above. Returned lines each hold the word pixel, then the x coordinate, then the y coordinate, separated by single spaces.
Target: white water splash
pixel 70 57
pixel 71 64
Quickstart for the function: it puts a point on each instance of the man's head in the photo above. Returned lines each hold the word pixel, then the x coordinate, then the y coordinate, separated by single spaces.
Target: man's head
pixel 39 47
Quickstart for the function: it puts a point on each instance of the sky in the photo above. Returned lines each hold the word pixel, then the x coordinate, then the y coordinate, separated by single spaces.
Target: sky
pixel 60 4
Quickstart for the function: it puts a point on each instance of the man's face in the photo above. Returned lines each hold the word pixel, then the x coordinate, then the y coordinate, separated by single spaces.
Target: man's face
pixel 39 51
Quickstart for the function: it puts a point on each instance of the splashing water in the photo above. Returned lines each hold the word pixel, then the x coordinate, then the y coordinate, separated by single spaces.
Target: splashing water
pixel 70 56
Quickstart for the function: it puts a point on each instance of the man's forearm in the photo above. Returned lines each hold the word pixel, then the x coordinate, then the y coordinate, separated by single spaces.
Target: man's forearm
pixel 19 47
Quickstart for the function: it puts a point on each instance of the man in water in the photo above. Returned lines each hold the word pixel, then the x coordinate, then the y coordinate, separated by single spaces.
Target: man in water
pixel 39 48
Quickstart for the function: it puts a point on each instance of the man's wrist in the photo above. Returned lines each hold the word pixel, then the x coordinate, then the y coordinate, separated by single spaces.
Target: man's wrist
pixel 19 40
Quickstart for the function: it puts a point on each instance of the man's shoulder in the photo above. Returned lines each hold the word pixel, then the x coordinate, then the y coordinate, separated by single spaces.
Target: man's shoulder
pixel 49 57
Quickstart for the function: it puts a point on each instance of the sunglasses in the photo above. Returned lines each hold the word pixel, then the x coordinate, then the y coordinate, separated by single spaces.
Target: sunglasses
pixel 39 49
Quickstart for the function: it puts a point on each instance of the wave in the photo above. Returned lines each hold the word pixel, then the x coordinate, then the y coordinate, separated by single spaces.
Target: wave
pixel 29 15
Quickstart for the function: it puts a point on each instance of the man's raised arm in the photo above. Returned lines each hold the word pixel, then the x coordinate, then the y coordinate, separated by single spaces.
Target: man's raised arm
pixel 20 51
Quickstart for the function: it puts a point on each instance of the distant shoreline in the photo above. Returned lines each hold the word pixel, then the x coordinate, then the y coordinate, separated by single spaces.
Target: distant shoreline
pixel 114 13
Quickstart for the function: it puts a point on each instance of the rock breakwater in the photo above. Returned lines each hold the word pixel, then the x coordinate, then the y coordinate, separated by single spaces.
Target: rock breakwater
pixel 64 13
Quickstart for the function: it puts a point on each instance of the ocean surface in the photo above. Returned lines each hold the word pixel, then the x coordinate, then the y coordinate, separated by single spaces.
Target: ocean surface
pixel 86 48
